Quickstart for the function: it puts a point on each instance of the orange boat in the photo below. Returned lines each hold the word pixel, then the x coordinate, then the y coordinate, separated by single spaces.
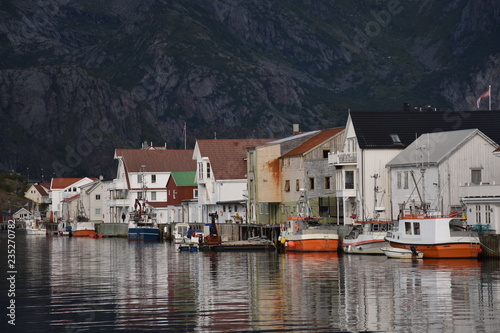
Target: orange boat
pixel 83 229
pixel 308 234
pixel 436 236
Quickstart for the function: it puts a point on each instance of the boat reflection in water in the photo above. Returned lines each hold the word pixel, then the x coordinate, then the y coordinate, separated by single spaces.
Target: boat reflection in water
pixel 113 284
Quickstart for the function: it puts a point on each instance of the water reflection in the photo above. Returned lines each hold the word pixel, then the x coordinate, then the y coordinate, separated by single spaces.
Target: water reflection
pixel 85 284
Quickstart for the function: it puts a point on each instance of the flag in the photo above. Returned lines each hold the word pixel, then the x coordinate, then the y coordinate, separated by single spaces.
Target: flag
pixel 486 94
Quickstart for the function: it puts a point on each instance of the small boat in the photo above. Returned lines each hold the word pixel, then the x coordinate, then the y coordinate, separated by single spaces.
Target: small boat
pixel 65 228
pixel 142 227
pixel 95 235
pixel 35 228
pixel 179 232
pixel 398 253
pixel 367 237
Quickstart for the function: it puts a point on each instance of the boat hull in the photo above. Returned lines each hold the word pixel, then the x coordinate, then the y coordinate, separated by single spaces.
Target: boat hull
pixel 83 233
pixel 143 234
pixel 312 244
pixel 399 253
pixel 364 247
pixel 38 232
pixel 445 250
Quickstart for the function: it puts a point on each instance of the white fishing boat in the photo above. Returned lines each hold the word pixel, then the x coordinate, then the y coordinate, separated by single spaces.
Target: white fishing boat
pixel 398 253
pixel 35 227
pixel 367 237
pixel 179 232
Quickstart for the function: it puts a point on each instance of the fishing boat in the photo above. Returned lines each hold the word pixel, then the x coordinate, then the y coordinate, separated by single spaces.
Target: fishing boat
pixel 65 228
pixel 436 236
pixel 179 232
pixel 367 237
pixel 308 234
pixel 35 227
pixel 399 253
pixel 83 229
pixel 142 226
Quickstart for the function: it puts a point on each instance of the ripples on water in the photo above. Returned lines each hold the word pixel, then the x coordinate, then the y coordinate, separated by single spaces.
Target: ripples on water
pixel 70 284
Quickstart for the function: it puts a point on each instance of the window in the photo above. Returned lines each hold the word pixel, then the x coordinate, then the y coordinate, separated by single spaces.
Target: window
pixel 200 170
pixel 208 170
pixel 349 180
pixel 311 183
pixel 297 185
pixel 475 176
pixel 408 228
pixel 98 197
pixel 395 138
pixel 399 179
pixel 487 214
pixel 153 178
pixel 195 193
pixel 98 211
pixel 287 185
pixel 325 153
pixel 416 228
pixel 405 179
pixel 139 195
pixel 153 195
pixel 478 213
pixel 264 208
pixel 327 183
pixel 139 178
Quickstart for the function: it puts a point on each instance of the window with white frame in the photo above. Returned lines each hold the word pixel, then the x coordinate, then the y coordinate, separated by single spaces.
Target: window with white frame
pixel 98 197
pixel 208 170
pixel 153 178
pixel 487 214
pixel 153 195
pixel 98 211
pixel 478 213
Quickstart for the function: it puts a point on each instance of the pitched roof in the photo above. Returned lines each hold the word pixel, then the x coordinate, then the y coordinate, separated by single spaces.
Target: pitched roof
pixel 164 160
pixel 60 183
pixel 433 148
pixel 314 141
pixel 42 189
pixel 373 129
pixel 228 156
pixel 186 178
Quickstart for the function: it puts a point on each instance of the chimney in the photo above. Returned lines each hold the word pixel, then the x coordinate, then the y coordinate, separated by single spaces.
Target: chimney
pixel 406 107
pixel 295 129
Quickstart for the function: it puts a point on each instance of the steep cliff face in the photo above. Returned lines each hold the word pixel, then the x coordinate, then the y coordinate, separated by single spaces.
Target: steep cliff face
pixel 80 78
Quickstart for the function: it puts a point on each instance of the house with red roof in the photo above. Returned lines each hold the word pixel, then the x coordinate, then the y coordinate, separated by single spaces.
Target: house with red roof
pixel 308 179
pixel 221 175
pixel 143 174
pixel 62 189
pixel 38 194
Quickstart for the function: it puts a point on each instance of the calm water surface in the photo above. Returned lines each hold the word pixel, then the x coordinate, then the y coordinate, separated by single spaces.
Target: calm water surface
pixel 73 285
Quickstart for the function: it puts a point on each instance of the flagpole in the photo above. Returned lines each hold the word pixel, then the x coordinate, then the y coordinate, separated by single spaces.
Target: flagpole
pixel 489 89
pixel 185 134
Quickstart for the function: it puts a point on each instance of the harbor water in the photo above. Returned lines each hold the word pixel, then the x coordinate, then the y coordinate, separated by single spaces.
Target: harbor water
pixel 64 284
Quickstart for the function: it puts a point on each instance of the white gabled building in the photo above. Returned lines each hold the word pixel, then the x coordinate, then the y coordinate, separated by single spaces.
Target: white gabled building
pixel 222 177
pixel 373 139
pixel 435 165
pixel 143 174
pixel 93 198
pixel 62 189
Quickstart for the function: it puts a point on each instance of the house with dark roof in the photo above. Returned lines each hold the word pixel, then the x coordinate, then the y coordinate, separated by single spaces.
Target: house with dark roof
pixel 307 177
pixel 221 175
pixel 430 171
pixel 143 174
pixel 375 138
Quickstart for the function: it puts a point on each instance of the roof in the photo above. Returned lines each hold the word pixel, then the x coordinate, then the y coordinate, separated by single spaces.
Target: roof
pixel 373 129
pixel 433 148
pixel 228 156
pixel 42 189
pixel 163 160
pixel 314 141
pixel 186 178
pixel 61 183
pixel 76 196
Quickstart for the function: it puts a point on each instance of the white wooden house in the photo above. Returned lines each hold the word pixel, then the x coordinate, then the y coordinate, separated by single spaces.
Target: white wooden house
pixel 60 190
pixel 143 174
pixel 373 139
pixel 93 198
pixel 222 178
pixel 433 167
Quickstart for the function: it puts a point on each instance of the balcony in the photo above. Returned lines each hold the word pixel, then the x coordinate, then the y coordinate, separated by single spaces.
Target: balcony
pixel 343 158
pixel 479 190
pixel 118 203
pixel 118 184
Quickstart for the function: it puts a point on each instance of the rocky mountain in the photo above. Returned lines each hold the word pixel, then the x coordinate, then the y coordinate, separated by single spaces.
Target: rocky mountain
pixel 79 78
